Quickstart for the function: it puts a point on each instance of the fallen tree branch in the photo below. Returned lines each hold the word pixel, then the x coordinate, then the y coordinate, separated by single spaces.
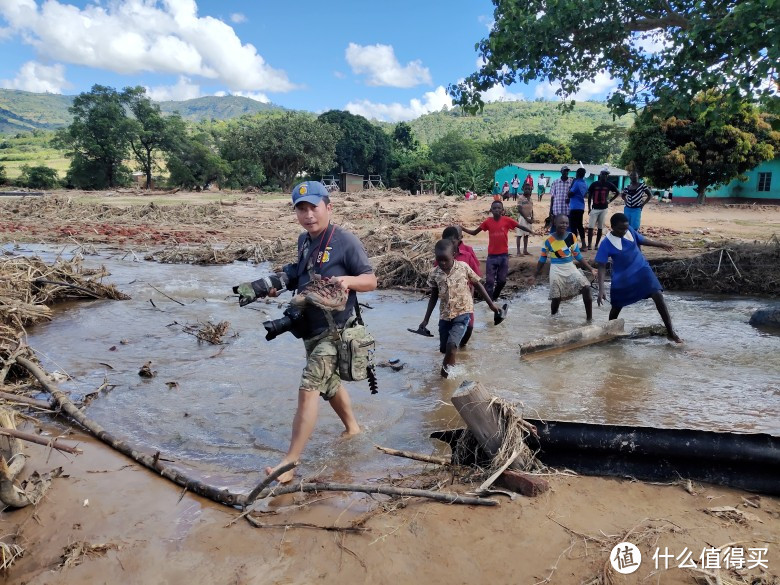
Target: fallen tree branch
pixel 221 496
pixel 7 396
pixel 38 440
pixel 450 498
pixel 252 496
pixel 415 456
pixel 257 524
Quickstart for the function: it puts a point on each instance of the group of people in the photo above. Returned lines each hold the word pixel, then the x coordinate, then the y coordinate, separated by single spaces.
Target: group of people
pixel 327 251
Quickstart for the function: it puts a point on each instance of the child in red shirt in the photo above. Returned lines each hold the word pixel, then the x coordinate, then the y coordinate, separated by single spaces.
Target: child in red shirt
pixel 498 227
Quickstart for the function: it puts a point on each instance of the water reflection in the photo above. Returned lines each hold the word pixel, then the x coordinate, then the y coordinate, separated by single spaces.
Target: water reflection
pixel 231 412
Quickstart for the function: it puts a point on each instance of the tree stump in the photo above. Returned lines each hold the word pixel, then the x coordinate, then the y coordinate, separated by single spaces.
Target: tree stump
pixel 482 415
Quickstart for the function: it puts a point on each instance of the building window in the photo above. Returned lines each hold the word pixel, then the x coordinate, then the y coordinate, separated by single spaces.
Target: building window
pixel 764 181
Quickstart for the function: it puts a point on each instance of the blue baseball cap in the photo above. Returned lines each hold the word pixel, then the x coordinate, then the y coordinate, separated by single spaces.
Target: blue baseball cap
pixel 309 192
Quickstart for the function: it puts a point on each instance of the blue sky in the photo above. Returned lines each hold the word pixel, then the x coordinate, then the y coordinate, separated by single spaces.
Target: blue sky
pixel 388 59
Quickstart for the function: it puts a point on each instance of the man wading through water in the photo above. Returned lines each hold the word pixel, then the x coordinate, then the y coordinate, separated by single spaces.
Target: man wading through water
pixel 324 251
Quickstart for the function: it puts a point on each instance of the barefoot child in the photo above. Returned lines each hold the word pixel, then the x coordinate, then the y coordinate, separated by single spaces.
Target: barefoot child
pixel 465 254
pixel 562 249
pixel 450 281
pixel 497 265
pixel 632 277
pixel 525 217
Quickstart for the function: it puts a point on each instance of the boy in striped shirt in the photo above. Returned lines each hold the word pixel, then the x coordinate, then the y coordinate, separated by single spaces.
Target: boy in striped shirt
pixel 635 196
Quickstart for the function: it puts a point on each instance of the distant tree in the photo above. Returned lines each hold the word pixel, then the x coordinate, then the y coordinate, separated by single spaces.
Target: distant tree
pixel 148 129
pixel 403 136
pixel 98 139
pixel 3 176
pixel 288 145
pixel 604 144
pixel 709 143
pixel 38 177
pixel 409 167
pixel 193 162
pixel 452 152
pixel 517 148
pixel 550 153
pixel 362 147
pixel 669 49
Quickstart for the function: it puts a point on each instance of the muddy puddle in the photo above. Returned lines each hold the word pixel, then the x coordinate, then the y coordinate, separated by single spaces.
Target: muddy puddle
pixel 229 413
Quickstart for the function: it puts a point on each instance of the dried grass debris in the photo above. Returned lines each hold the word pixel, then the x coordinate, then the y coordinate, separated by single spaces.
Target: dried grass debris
pixel 738 269
pixel 75 553
pixel 209 332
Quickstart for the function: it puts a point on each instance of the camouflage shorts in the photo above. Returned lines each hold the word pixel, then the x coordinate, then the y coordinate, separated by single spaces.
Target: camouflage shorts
pixel 321 373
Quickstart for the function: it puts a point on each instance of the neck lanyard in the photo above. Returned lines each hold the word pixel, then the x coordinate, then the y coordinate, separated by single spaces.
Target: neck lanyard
pixel 319 252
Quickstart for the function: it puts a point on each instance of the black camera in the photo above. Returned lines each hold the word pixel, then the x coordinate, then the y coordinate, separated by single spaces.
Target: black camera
pixel 291 320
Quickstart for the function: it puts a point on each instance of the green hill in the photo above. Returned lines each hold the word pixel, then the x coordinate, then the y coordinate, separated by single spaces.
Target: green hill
pixel 504 119
pixel 23 111
pixel 216 108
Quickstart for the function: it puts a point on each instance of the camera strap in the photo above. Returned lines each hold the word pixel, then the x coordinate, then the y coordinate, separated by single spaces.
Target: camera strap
pixel 313 257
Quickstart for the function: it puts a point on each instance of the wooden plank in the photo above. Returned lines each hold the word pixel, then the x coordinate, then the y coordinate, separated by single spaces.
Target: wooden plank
pixel 523 483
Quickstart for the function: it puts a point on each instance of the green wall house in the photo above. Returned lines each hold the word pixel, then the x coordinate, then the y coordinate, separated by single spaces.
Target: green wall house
pixel 762 186
pixel 553 171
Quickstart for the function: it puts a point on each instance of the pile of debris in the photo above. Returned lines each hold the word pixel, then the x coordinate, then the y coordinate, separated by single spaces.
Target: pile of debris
pixel 752 269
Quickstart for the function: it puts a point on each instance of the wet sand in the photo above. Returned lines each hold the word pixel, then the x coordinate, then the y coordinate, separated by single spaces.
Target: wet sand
pixel 160 539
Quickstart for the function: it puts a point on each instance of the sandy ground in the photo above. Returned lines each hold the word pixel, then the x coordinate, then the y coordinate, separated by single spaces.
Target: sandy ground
pixel 564 536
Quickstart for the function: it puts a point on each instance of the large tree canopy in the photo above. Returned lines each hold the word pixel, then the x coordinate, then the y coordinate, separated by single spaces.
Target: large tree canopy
pixel 652 48
pixel 709 144
pixel 288 145
pixel 363 148
pixel 98 139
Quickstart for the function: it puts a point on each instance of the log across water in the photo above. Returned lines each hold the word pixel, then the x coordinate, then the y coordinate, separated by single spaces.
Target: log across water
pixel 587 335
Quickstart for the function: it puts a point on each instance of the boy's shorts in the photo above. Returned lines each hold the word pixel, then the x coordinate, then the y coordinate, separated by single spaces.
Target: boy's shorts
pixel 321 373
pixel 451 331
pixel 597 216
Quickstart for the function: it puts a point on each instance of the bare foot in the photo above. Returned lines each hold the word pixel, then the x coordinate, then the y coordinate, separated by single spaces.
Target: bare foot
pixel 351 432
pixel 443 372
pixel 674 337
pixel 526 253
pixel 285 477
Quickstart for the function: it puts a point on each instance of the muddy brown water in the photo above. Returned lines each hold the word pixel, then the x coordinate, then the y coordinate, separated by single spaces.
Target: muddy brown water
pixel 231 412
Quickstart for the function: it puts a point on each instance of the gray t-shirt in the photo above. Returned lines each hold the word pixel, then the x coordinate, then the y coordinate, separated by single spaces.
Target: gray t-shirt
pixel 340 253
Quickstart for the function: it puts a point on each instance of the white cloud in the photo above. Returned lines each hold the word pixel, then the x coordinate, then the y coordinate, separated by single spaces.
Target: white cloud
pixel 254 95
pixel 486 21
pixel 382 67
pixel 432 101
pixel 499 93
pixel 601 85
pixel 5 33
pixel 339 74
pixel 238 17
pixel 184 89
pixel 130 36
pixel 34 76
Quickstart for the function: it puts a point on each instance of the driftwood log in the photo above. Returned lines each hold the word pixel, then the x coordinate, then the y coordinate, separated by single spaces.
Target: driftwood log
pixel 18 399
pixel 579 337
pixel 52 442
pixel 10 495
pixel 224 496
pixel 478 408
pixel 415 456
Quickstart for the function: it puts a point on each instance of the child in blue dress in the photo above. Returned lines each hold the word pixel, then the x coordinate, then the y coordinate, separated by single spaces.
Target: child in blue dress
pixel 632 278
